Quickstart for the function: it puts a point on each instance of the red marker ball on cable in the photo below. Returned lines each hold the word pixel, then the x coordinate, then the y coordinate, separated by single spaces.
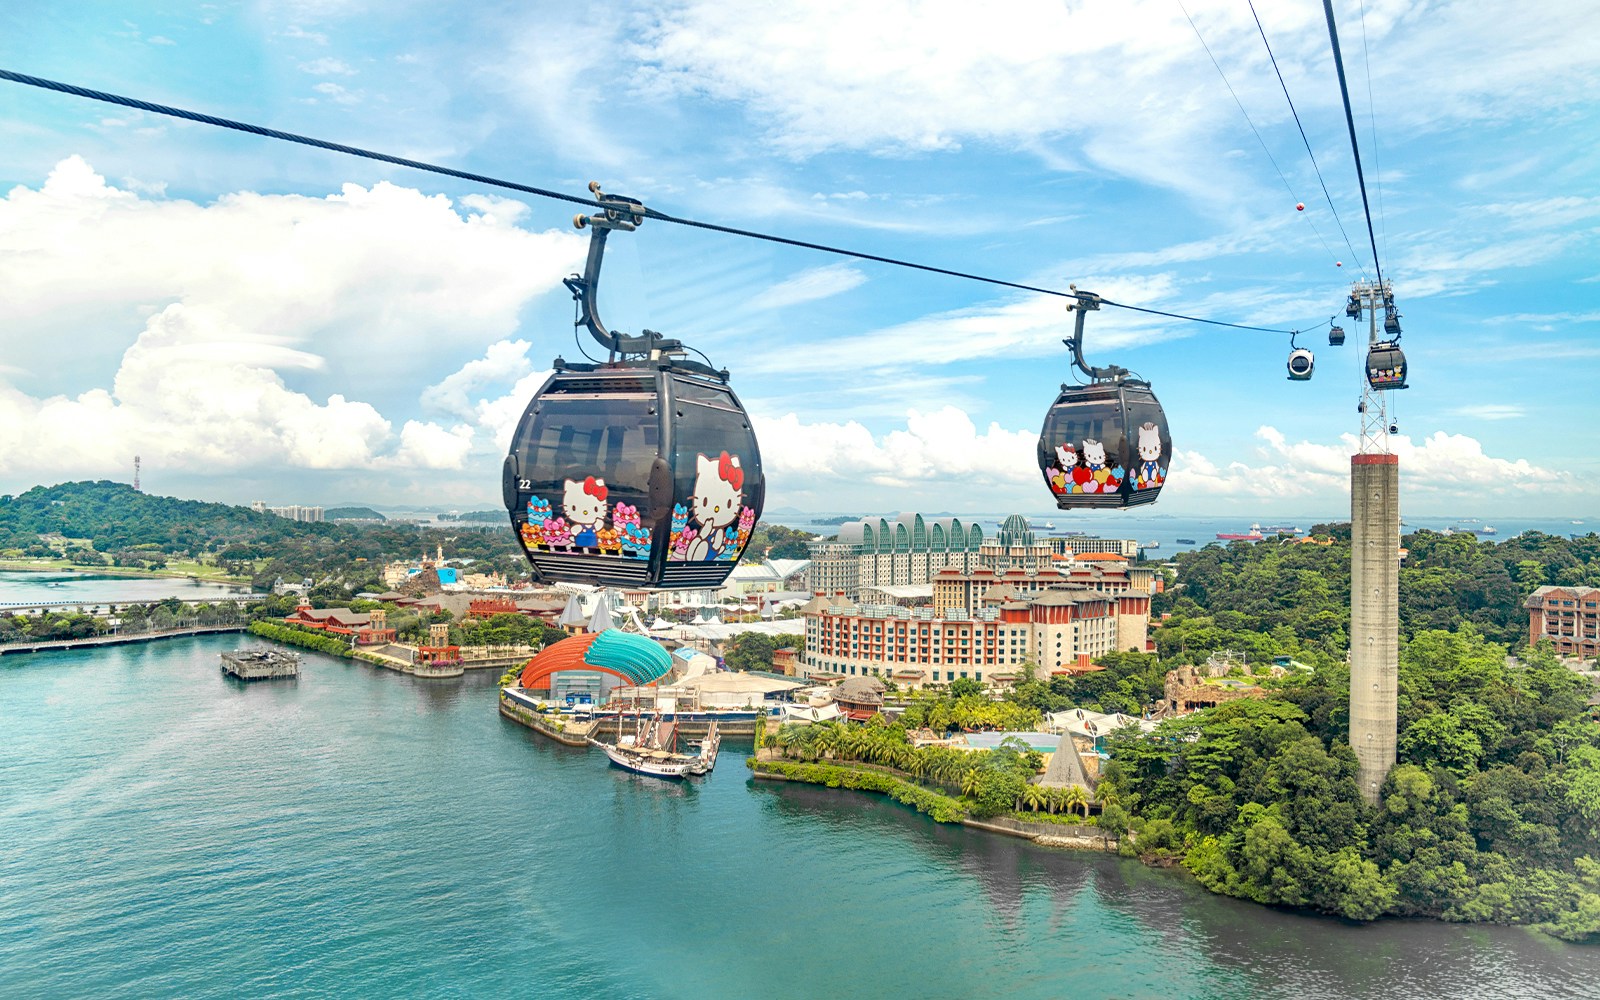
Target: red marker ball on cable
pixel 1300 206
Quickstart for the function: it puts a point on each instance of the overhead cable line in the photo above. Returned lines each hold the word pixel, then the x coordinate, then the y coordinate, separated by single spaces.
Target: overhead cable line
pixel 1337 221
pixel 1355 147
pixel 1248 121
pixel 1372 124
pixel 649 213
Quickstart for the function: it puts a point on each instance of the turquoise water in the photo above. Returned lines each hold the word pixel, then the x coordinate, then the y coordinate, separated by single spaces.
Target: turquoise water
pixel 360 833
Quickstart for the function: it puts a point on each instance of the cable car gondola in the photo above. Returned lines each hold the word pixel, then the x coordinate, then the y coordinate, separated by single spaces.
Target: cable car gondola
pixel 640 471
pixel 1335 336
pixel 1386 365
pixel 1104 444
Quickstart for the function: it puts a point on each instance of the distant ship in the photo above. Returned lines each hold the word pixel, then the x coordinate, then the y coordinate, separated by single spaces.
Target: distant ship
pixel 1253 535
pixel 1485 530
pixel 1281 529
pixel 1149 545
pixel 1187 541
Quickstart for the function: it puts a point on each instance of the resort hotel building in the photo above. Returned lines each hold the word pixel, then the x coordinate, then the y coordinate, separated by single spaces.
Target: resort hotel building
pixel 887 560
pixel 1008 601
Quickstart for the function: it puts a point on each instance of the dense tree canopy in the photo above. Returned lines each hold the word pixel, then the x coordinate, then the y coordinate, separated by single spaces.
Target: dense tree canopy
pixel 1492 812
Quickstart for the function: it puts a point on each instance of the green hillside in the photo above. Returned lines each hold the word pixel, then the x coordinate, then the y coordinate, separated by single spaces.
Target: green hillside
pixel 124 527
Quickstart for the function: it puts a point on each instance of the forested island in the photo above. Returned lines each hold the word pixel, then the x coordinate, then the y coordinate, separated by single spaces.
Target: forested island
pixel 103 524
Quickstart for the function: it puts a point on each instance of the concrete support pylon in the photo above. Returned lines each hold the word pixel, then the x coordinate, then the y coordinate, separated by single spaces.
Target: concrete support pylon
pixel 1374 616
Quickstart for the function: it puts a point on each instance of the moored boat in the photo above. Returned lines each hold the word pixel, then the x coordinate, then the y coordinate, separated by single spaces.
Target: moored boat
pixel 653 751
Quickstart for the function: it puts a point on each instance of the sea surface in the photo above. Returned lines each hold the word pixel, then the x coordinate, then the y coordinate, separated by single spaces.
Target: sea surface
pixel 172 833
pixel 1167 529
pixel 67 588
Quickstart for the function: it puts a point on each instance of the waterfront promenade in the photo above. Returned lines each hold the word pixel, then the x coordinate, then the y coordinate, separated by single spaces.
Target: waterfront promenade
pixel 119 639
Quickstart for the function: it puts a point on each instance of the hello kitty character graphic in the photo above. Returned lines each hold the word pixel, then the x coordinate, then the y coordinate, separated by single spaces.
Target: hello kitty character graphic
pixel 1060 474
pixel 1100 479
pixel 585 505
pixel 715 506
pixel 1151 474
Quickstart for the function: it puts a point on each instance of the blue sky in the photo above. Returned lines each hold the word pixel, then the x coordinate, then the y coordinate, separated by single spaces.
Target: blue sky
pixel 264 321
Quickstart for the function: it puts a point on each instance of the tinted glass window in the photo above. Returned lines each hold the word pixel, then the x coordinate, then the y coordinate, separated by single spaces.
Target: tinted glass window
pixel 717 477
pixel 613 438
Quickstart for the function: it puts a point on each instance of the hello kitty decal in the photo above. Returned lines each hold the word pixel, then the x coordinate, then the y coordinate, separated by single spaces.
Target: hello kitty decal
pixel 721 523
pixel 714 524
pixel 582 526
pixel 1151 473
pixel 1085 469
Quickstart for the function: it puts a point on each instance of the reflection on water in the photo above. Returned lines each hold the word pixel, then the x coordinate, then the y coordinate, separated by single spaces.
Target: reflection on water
pixel 361 832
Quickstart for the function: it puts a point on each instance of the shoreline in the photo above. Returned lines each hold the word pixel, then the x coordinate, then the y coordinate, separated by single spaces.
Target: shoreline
pixel 123 571
pixel 1069 836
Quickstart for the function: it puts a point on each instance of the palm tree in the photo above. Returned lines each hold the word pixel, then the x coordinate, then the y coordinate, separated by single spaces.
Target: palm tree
pixel 827 739
pixel 1104 796
pixel 1034 796
pixel 1075 796
pixel 971 779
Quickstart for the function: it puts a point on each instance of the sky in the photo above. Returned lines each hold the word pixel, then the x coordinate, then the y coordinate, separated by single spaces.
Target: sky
pixel 263 321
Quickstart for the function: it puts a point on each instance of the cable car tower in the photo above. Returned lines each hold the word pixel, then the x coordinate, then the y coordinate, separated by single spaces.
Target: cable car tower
pixel 1375 547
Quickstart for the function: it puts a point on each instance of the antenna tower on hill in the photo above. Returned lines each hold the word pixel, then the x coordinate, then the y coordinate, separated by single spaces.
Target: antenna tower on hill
pixel 136 473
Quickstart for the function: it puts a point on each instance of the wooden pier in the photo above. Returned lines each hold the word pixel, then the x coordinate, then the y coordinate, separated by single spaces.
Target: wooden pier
pixel 261 664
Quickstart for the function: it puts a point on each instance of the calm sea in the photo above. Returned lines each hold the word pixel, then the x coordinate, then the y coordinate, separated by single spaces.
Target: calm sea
pixel 88 589
pixel 170 833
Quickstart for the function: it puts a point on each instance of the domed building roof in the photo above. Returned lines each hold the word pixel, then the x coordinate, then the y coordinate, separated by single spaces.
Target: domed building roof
pixel 634 658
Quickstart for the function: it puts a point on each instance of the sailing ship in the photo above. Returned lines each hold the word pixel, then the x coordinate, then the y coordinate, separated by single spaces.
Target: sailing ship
pixel 653 749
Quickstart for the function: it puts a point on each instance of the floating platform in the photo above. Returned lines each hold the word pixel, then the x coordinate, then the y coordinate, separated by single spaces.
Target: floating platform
pixel 261 664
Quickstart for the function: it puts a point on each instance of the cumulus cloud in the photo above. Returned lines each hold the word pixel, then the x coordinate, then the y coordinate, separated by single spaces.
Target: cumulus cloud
pixel 1072 82
pixel 1441 464
pixel 505 360
pixel 941 457
pixel 209 322
pixel 940 446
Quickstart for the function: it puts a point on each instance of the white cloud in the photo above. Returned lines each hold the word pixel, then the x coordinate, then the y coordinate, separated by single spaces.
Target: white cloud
pixel 327 66
pixel 336 93
pixel 1492 411
pixel 943 446
pixel 943 459
pixel 1442 464
pixel 810 285
pixel 1028 327
pixel 429 446
pixel 385 282
pixel 504 361
pixel 1118 85
pixel 160 40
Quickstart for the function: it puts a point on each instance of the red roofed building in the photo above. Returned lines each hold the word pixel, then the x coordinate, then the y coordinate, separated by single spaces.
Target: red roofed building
pixel 1062 629
pixel 368 628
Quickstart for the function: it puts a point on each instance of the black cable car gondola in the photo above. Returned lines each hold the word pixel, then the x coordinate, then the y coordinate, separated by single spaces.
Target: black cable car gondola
pixel 1104 444
pixel 1386 365
pixel 639 471
pixel 1335 336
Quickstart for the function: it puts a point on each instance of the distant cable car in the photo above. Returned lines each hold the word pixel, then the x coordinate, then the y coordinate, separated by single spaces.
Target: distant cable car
pixel 1386 365
pixel 1353 307
pixel 639 471
pixel 1104 444
pixel 1335 336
